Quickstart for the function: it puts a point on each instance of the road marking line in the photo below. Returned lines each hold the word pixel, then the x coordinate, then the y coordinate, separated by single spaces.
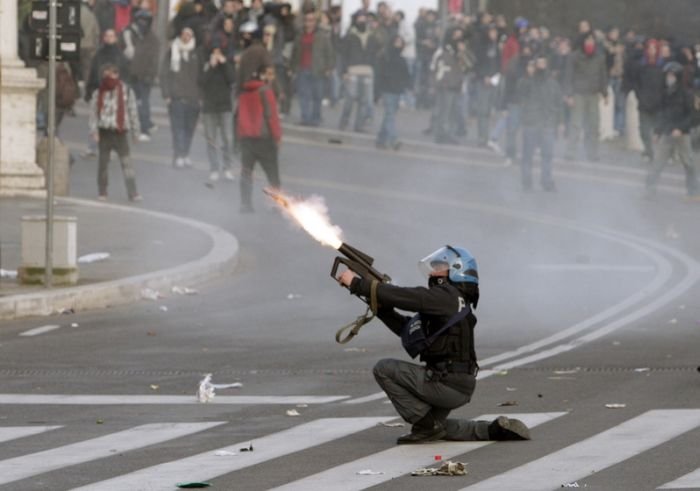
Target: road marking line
pixel 689 481
pixel 400 460
pixel 99 399
pixel 369 398
pixel 592 267
pixel 105 446
pixel 8 433
pixel 597 453
pixel 39 330
pixel 207 465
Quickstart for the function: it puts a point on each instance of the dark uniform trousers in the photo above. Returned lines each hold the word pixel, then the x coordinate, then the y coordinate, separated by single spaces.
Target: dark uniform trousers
pixel 414 392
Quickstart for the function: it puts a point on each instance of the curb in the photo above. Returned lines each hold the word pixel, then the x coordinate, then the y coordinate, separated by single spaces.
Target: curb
pixel 221 258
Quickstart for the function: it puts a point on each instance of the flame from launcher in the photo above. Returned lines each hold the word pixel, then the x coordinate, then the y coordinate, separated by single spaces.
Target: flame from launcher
pixel 311 214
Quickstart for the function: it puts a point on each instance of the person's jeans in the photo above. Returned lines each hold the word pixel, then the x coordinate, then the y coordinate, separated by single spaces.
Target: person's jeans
pixel 183 122
pixel 387 133
pixel 358 90
pixel 647 122
pixel 221 123
pixel 510 122
pixel 585 118
pixel 680 148
pixel 142 91
pixel 620 103
pixel 310 91
pixel 119 142
pixel 542 138
pixel 263 151
pixel 444 107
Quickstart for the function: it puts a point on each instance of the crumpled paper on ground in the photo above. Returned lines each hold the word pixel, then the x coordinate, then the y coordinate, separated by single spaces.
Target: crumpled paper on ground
pixel 150 294
pixel 207 390
pixel 448 468
pixel 183 290
pixel 369 472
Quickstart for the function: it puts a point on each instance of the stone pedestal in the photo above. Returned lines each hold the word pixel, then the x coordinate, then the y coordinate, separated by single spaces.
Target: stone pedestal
pixel 64 258
pixel 19 174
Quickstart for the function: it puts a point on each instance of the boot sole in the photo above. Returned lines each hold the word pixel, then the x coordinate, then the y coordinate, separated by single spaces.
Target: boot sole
pixel 515 427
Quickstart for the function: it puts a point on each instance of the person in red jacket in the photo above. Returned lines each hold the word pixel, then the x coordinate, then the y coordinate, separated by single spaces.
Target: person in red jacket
pixel 259 133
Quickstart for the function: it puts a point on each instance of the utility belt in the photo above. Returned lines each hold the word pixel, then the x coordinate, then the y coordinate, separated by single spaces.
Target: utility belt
pixel 439 370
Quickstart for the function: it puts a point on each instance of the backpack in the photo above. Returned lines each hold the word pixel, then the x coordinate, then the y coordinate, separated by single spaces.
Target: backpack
pixel 66 88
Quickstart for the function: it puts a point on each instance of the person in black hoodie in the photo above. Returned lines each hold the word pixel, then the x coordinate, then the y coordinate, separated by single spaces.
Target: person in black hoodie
pixel 216 82
pixel 393 79
pixel 673 132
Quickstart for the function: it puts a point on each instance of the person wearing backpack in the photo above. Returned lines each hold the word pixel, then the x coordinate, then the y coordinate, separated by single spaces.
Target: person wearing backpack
pixel 442 334
pixel 67 93
pixel 258 131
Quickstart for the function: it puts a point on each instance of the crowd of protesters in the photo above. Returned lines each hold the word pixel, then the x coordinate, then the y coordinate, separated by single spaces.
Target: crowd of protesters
pixel 524 86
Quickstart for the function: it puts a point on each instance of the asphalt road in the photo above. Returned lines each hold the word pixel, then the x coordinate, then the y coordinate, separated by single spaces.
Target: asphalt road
pixel 589 297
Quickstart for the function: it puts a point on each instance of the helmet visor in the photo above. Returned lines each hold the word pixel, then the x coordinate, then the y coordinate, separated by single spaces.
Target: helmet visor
pixel 437 262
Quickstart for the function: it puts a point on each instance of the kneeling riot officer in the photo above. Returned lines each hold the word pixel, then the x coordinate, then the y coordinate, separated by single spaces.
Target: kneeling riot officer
pixel 442 333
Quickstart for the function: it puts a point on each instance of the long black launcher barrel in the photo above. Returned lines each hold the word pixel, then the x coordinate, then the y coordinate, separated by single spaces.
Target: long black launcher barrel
pixel 359 262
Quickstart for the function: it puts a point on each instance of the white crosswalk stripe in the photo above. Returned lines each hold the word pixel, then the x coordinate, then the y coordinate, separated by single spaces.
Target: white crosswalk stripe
pixel 207 465
pixel 8 433
pixel 596 453
pixel 120 400
pixel 399 460
pixel 25 466
pixel 689 481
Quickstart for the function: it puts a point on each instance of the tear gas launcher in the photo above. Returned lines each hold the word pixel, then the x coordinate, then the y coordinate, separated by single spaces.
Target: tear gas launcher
pixel 312 215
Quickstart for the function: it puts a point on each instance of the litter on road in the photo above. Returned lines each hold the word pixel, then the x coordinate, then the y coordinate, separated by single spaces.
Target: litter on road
pixel 93 258
pixel 155 387
pixel 392 425
pixel 192 485
pixel 248 449
pixel 207 390
pixel 616 406
pixel 293 412
pixel 369 472
pixel 150 294
pixel 224 453
pixel 74 324
pixel 183 290
pixel 641 370
pixel 293 296
pixel 507 403
pixel 449 468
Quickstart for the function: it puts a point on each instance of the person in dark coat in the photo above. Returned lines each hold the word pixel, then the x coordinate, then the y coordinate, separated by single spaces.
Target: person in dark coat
pixel 254 55
pixel 179 85
pixel 540 108
pixel 647 81
pixel 487 79
pixel 673 131
pixel 216 82
pixel 141 50
pixel 393 78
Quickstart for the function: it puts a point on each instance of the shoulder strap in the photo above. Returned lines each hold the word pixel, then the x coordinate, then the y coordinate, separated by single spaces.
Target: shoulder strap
pixel 453 320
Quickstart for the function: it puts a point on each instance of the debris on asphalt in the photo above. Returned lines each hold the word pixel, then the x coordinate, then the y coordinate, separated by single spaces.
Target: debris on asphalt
pixel 100 422
pixel 437 458
pixel 66 311
pixel 616 343
pixel 449 468
pixel 209 184
pixel 642 370
pixel 671 232
pixel 392 425
pixel 501 372
pixel 540 396
pixel 8 273
pixel 616 406
pixel 293 412
pixel 336 141
pixel 355 350
pixel 511 389
pixel 507 403
pixel 293 296
pixel 74 324
pixel 246 449
pixel 155 387
pixel 163 308
pixel 207 390
pixel 368 472
pixel 224 453
pixel 302 405
pixel 93 257
pixel 151 333
pixel 570 485
pixel 183 290
pixel 192 485
pixel 150 294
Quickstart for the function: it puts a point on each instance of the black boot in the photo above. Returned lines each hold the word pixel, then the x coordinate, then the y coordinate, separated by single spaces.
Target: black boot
pixel 427 429
pixel 506 429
